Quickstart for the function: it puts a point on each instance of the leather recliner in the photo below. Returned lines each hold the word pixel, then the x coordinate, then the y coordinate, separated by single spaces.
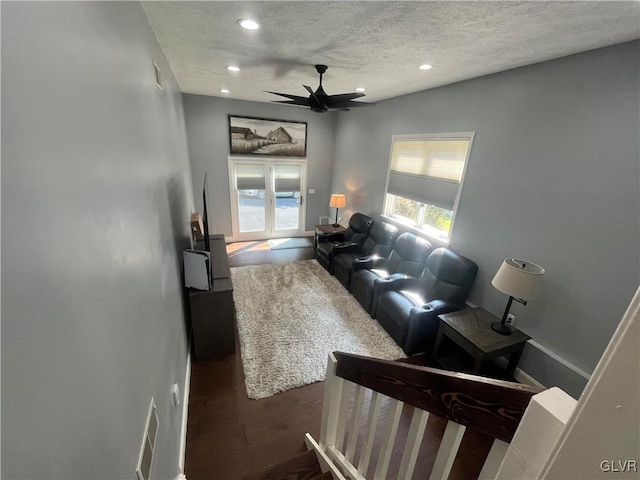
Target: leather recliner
pixel 408 308
pixel 357 232
pixel 379 244
pixel 407 259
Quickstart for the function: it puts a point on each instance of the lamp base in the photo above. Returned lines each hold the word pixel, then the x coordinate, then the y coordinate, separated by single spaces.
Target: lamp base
pixel 500 328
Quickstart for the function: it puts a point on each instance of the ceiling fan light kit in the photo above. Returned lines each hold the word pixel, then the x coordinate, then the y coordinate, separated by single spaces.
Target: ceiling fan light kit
pixel 319 101
pixel 248 24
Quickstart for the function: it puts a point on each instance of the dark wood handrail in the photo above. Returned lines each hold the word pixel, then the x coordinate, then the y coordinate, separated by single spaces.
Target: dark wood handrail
pixel 493 407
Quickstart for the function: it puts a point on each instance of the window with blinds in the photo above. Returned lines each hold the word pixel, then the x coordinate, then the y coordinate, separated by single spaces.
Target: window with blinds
pixel 425 177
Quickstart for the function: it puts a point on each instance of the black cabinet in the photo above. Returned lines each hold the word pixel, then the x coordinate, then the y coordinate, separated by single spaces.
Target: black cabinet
pixel 213 311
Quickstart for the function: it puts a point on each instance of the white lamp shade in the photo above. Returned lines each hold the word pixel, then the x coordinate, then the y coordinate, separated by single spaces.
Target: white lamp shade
pixel 338 200
pixel 518 278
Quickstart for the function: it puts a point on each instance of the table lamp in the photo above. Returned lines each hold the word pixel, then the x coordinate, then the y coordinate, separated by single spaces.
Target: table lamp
pixel 519 279
pixel 338 200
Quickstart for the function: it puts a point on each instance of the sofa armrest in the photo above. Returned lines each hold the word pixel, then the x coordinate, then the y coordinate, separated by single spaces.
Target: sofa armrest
pixel 438 307
pixel 346 247
pixel 423 325
pixel 397 282
pixel 367 262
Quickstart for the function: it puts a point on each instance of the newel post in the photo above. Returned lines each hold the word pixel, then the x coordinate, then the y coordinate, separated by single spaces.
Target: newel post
pixel 331 404
pixel 537 435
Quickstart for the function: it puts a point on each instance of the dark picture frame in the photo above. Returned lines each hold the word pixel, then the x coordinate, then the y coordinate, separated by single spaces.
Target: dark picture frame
pixel 255 136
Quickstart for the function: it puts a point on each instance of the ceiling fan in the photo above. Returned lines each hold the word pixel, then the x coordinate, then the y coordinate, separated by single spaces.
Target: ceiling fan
pixel 319 101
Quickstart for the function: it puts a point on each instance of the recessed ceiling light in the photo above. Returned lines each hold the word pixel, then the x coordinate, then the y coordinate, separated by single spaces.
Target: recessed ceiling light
pixel 233 68
pixel 248 24
pixel 224 90
pixel 361 89
pixel 426 66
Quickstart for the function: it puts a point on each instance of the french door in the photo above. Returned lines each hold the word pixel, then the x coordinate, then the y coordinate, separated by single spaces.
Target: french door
pixel 267 197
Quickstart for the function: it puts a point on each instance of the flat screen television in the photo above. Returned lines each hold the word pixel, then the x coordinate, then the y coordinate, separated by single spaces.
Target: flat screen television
pixel 205 216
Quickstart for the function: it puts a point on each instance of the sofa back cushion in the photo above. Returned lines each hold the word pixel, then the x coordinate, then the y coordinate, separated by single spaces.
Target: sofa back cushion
pixel 448 276
pixel 409 255
pixel 359 227
pixel 382 237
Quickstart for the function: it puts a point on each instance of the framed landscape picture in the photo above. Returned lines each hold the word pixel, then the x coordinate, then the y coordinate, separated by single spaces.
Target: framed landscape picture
pixel 267 137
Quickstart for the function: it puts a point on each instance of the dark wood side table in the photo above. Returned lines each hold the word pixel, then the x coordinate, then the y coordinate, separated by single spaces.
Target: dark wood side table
pixel 326 232
pixel 470 329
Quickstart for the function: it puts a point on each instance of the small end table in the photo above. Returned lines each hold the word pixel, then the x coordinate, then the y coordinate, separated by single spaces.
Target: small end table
pixel 326 232
pixel 471 330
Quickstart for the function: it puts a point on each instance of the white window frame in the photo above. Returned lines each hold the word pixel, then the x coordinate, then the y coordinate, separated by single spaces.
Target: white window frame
pixel 388 203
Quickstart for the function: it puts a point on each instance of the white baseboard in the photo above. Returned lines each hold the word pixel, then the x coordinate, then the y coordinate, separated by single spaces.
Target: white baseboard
pixel 523 377
pixel 185 413
pixel 560 360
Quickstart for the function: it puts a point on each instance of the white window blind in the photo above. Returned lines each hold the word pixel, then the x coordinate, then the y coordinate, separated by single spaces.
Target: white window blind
pixel 428 170
pixel 250 177
pixel 287 178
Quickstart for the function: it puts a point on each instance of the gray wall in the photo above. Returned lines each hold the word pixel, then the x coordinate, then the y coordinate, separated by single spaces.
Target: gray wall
pixel 553 178
pixel 208 137
pixel 96 193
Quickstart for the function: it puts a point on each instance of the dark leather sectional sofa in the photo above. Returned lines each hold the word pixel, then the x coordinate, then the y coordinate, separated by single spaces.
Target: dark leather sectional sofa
pixel 399 279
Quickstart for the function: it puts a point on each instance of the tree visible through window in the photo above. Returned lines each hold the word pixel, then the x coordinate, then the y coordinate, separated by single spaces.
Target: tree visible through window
pixel 425 178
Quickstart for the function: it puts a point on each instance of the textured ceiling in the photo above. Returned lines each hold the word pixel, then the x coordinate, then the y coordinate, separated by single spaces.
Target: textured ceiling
pixel 377 45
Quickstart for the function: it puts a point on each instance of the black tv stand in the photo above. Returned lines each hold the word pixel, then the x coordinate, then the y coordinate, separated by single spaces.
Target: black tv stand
pixel 213 311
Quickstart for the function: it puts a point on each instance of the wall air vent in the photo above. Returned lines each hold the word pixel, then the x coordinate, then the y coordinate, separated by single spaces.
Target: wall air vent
pixel 145 459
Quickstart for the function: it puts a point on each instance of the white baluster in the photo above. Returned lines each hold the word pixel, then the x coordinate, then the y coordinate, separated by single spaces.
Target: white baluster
pixel 414 440
pixel 355 422
pixel 372 423
pixel 347 394
pixel 448 450
pixel 391 428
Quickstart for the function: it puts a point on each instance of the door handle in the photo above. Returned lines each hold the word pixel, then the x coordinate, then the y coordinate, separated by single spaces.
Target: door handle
pixel 301 200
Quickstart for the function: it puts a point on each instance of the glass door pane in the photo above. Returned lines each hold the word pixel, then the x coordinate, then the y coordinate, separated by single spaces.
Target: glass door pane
pixel 250 182
pixel 287 180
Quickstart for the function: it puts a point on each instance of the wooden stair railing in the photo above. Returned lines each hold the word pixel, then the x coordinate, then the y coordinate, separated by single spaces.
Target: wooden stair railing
pixel 359 387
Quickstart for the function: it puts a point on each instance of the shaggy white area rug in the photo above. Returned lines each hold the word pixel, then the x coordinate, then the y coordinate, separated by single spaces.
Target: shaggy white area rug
pixel 290 317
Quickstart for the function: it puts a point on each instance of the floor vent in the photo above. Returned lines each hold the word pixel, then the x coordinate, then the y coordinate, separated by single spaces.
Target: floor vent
pixel 145 460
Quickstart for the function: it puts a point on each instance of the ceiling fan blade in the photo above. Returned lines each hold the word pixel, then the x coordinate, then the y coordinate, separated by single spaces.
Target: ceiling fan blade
pixel 306 103
pixel 292 97
pixel 349 104
pixel 344 96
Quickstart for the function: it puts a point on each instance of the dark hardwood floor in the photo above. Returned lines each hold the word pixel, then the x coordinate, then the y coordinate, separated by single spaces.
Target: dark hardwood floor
pixel 259 252
pixel 229 435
